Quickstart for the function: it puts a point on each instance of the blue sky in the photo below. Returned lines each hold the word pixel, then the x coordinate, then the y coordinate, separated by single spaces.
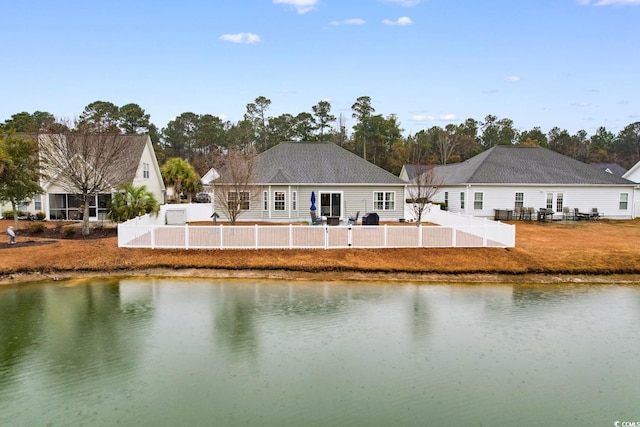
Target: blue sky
pixel 574 64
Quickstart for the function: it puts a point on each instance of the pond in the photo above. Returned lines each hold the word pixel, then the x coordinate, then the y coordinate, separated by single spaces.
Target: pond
pixel 229 352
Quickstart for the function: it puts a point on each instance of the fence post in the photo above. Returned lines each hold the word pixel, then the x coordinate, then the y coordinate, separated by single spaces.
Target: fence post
pixel 453 237
pixel 256 236
pixel 186 236
pixel 385 235
pixel 290 236
pixel 419 227
pixel 221 237
pixel 484 235
pixel 326 237
pixel 153 236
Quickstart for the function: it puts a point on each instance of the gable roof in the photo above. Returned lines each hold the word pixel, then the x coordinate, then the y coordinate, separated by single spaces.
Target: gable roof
pixel 317 163
pixel 612 168
pixel 505 164
pixel 125 172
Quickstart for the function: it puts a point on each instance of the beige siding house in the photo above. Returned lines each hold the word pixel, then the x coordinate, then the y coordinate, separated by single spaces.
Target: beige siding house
pixel 343 185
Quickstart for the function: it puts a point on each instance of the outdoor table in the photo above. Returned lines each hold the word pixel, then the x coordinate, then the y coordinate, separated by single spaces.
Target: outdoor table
pixel 333 220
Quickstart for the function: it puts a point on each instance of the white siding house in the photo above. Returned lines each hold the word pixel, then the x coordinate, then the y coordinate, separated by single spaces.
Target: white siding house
pixel 506 177
pixel 139 168
pixel 633 175
pixel 343 184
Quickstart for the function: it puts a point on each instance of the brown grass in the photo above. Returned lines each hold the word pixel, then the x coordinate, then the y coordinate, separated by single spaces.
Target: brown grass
pixel 603 247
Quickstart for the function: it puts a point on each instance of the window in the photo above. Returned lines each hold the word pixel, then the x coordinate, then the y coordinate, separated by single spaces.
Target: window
pixel 559 202
pixel 37 202
pixel 232 200
pixel 624 201
pixel 145 170
pixel 265 200
pixel 519 200
pixel 294 201
pixel 278 201
pixel 446 199
pixel 461 200
pixel 558 198
pixel 331 204
pixel 384 201
pixel 477 200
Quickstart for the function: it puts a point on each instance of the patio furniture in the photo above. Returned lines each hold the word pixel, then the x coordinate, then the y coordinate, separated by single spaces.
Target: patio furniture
pixel 527 213
pixel 333 220
pixel 567 214
pixel 353 220
pixel 544 213
pixel 315 220
pixel 517 212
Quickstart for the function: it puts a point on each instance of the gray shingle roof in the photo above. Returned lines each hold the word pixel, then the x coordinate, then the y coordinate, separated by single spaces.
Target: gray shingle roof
pixel 524 165
pixel 317 163
pixel 613 168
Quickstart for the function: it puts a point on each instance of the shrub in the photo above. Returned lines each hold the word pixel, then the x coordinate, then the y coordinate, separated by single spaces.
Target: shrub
pixel 68 231
pixel 41 216
pixel 37 227
pixel 9 214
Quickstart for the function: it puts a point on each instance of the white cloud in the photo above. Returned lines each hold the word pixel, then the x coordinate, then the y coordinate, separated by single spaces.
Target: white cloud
pixel 244 38
pixel 513 78
pixel 302 6
pixel 581 104
pixel 352 21
pixel 447 117
pixel 406 3
pixel 422 118
pixel 402 21
pixel 609 2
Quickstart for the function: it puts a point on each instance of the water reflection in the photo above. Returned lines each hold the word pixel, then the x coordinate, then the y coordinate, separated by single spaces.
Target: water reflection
pixel 190 352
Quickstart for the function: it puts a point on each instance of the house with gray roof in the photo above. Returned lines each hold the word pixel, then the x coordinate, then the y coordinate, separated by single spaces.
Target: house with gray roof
pixel 343 184
pixel 137 166
pixel 509 177
pixel 612 168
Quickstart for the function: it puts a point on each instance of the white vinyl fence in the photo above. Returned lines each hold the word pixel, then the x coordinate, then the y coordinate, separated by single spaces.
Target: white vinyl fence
pixel 485 234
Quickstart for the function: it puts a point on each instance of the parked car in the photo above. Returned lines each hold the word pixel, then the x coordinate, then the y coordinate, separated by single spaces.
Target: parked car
pixel 202 198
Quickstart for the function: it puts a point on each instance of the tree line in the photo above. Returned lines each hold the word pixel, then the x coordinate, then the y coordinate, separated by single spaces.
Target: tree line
pixel 201 139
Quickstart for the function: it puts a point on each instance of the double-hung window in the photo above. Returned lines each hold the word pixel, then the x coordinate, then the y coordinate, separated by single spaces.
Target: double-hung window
pixel 145 170
pixel 624 201
pixel 278 201
pixel 519 200
pixel 384 200
pixel 478 198
pixel 234 201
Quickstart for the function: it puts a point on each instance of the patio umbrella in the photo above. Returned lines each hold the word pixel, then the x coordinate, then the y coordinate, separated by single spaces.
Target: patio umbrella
pixel 313 200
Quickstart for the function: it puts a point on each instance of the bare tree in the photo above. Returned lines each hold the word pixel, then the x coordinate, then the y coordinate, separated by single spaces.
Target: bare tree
pixel 422 189
pixel 446 144
pixel 235 191
pixel 86 164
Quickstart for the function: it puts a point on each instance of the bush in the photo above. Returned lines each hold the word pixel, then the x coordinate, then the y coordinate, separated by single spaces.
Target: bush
pixel 37 227
pixel 68 231
pixel 9 214
pixel 41 216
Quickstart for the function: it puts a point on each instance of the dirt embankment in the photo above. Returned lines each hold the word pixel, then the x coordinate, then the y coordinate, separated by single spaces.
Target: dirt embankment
pixel 559 251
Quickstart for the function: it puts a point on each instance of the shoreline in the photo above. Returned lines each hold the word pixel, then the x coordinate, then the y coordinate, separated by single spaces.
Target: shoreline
pixel 352 276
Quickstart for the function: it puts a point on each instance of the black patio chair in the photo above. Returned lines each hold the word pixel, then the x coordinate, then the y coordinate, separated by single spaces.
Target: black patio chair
pixel 353 220
pixel 315 220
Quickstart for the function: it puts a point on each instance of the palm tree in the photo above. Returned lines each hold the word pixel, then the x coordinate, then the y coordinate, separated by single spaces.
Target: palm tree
pixel 131 202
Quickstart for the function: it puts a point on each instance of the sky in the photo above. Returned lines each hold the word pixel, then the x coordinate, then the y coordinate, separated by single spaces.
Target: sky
pixel 574 64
